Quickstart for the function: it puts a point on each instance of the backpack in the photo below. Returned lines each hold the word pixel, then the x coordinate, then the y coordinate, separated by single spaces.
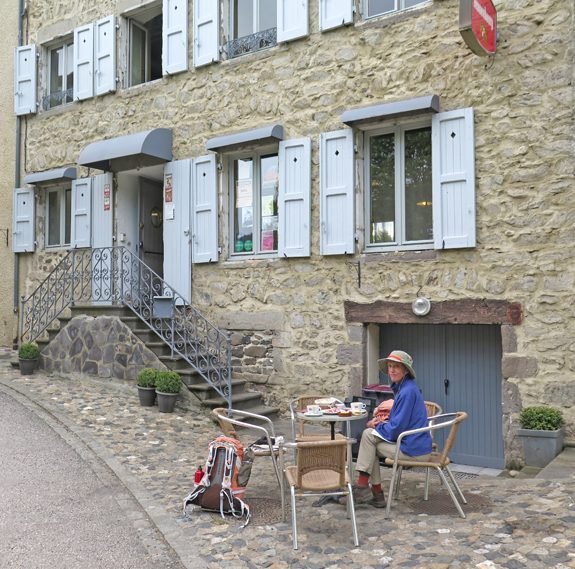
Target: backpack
pixel 218 489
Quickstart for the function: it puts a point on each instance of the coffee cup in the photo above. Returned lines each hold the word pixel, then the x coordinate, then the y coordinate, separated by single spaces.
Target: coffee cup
pixel 313 410
pixel 357 407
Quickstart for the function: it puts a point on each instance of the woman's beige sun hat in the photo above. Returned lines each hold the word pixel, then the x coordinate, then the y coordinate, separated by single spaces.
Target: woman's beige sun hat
pixel 399 357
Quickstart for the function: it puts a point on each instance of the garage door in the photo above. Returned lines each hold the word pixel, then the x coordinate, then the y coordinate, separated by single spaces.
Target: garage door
pixel 459 367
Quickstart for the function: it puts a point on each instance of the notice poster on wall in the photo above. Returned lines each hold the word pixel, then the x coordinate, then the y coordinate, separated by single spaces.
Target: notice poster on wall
pixel 168 196
pixel 243 193
pixel 107 197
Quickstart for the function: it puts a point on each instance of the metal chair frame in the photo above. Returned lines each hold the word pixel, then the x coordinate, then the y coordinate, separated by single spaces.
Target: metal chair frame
pixel 438 461
pixel 227 422
pixel 321 469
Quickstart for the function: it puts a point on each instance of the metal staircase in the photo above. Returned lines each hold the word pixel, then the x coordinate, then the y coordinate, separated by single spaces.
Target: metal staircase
pixel 183 339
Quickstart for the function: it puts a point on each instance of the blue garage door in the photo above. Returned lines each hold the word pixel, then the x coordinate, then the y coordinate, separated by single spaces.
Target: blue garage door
pixel 459 367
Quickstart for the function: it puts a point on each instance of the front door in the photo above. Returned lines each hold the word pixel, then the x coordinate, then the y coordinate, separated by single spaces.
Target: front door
pixel 151 246
pixel 459 367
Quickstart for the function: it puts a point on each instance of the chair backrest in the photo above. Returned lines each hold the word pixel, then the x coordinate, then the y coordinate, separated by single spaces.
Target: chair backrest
pixel 432 408
pixel 457 419
pixel 227 428
pixel 322 456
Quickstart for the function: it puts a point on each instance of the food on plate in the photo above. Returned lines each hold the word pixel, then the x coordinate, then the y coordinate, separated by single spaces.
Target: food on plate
pixel 345 413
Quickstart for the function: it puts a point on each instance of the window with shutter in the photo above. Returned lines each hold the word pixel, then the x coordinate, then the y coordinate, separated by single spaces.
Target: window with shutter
pixel 23 220
pixel 175 36
pixel 25 67
pixel 206 32
pixel 336 193
pixel 335 13
pixel 204 223
pixel 105 56
pixel 418 183
pixel 81 230
pixel 84 62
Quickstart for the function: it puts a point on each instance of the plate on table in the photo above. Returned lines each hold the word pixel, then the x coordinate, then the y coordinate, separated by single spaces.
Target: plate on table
pixel 307 414
pixel 327 402
pixel 331 412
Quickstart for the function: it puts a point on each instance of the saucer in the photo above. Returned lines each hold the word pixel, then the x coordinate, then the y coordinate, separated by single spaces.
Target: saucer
pixel 313 414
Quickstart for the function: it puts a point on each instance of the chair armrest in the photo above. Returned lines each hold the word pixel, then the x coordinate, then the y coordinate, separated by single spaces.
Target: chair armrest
pixel 446 419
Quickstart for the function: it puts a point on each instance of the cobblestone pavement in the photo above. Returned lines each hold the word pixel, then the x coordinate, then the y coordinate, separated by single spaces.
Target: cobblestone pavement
pixel 511 523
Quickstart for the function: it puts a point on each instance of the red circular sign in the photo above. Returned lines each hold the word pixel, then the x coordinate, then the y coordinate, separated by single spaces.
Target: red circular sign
pixel 478 25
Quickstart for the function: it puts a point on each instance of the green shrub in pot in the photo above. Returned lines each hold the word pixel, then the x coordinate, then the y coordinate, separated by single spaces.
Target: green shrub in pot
pixel 168 382
pixel 29 351
pixel 541 418
pixel 147 377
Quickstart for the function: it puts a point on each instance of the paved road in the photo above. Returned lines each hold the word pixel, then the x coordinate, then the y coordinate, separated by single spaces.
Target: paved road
pixel 61 507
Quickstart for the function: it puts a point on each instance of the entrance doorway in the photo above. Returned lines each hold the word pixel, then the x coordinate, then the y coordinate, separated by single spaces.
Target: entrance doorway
pixel 151 239
pixel 459 367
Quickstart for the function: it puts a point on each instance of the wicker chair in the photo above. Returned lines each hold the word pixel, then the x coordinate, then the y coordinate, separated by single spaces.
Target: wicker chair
pixel 298 426
pixel 321 469
pixel 229 419
pixel 432 410
pixel 438 460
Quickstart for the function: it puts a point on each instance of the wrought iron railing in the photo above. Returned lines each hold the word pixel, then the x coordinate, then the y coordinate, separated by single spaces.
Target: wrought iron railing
pixel 114 275
pixel 251 43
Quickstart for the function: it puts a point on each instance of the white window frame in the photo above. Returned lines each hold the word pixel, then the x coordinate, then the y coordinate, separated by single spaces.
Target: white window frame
pixel 65 217
pixel 400 244
pixel 256 155
pixel 63 43
pixel 399 6
pixel 132 19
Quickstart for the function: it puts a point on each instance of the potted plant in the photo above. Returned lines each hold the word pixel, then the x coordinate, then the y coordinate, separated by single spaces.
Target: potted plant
pixel 146 381
pixel 28 355
pixel 542 434
pixel 168 385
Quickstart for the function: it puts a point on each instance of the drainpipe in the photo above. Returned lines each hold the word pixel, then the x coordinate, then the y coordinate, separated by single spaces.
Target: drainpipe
pixel 21 16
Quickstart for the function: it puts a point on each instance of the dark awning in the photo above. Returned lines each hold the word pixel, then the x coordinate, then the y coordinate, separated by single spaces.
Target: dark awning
pixel 418 105
pixel 128 152
pixel 263 135
pixel 51 176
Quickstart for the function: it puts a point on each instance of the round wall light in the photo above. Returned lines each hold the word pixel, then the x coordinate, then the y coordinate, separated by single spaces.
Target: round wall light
pixel 421 306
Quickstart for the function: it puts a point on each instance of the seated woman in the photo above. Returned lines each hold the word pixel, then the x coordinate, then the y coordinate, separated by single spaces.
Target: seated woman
pixel 408 412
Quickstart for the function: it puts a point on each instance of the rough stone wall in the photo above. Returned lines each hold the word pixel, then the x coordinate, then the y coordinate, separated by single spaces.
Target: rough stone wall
pixel 523 101
pixel 9 34
pixel 103 346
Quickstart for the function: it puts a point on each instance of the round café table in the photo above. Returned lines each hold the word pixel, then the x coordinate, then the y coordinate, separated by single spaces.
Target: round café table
pixel 332 419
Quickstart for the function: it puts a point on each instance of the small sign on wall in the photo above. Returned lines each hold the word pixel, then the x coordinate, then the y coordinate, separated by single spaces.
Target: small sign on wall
pixel 107 197
pixel 478 25
pixel 168 195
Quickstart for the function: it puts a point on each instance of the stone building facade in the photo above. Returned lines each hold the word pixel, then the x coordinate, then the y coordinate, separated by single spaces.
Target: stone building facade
pixel 313 308
pixel 8 129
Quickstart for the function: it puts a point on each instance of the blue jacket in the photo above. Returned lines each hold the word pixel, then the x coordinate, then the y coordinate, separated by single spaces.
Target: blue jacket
pixel 408 412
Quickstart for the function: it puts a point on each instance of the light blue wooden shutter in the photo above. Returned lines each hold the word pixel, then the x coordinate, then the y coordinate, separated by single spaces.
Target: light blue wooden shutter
pixel 177 237
pixel 206 32
pixel 293 20
pixel 105 56
pixel 25 80
pixel 102 210
pixel 294 198
pixel 175 37
pixel 453 160
pixel 84 62
pixel 204 210
pixel 82 212
pixel 335 13
pixel 336 188
pixel 23 220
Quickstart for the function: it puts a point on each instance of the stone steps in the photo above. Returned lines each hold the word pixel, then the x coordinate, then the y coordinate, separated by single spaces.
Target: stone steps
pixel 242 398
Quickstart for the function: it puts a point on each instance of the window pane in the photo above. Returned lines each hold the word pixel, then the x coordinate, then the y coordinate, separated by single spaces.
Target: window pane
pixel 410 3
pixel 418 208
pixel 155 35
pixel 243 18
pixel 56 76
pixel 53 218
pixel 243 205
pixel 382 195
pixel 269 204
pixel 137 54
pixel 267 18
pixel 375 7
pixel 68 218
pixel 69 73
